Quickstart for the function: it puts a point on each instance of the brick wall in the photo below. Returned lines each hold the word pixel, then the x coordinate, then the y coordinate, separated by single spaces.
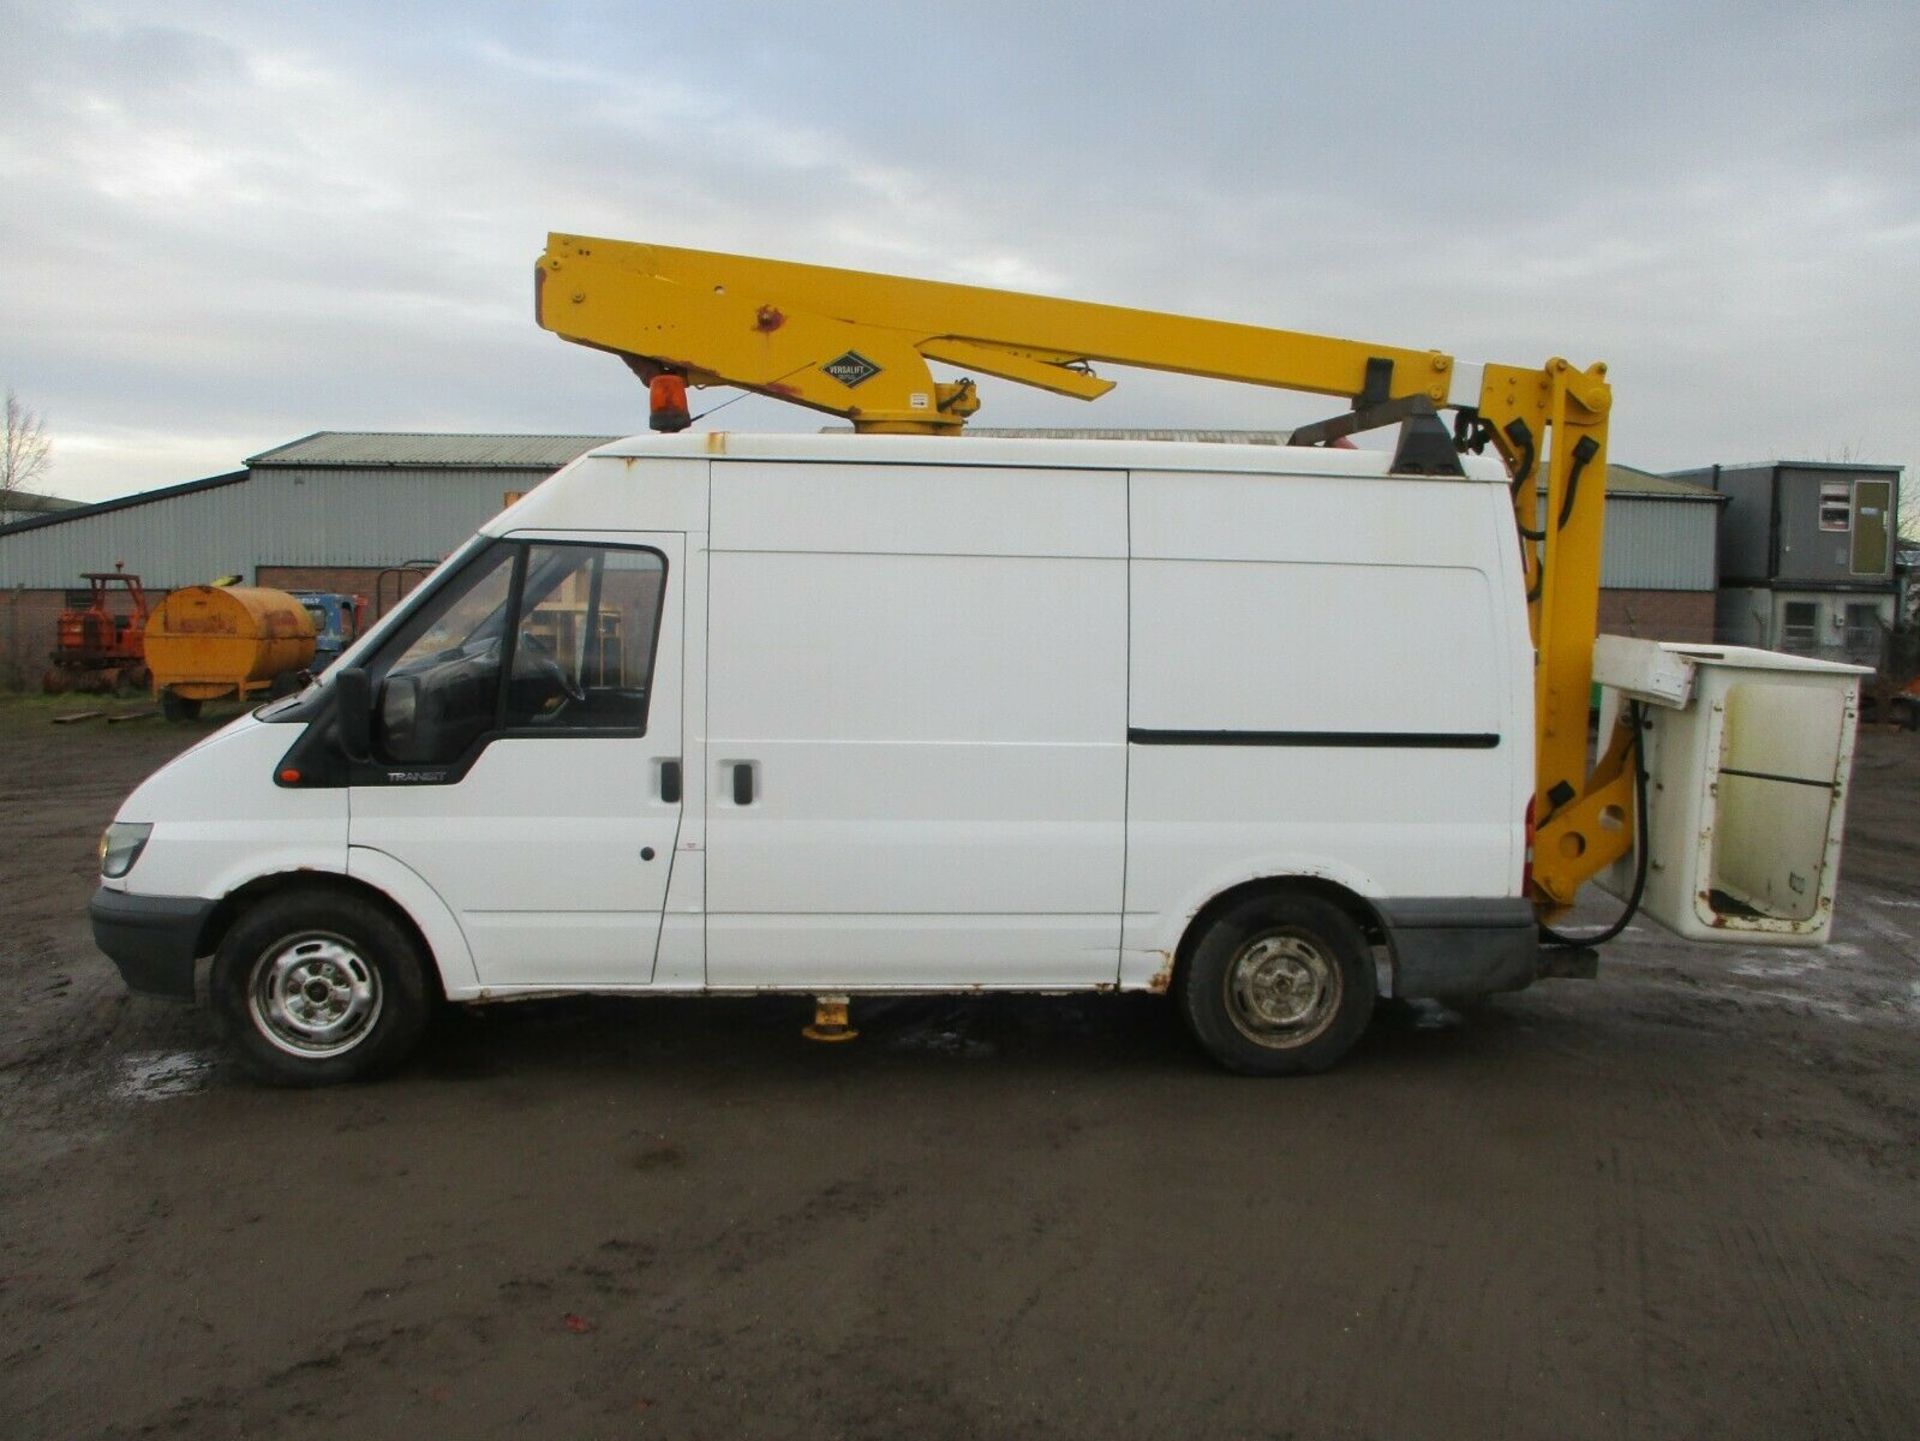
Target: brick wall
pixel 27 623
pixel 1684 615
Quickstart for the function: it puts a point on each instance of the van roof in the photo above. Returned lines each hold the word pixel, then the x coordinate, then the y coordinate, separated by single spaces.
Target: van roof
pixel 1030 453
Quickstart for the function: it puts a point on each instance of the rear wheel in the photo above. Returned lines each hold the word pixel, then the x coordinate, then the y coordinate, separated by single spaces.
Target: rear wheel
pixel 314 987
pixel 1278 984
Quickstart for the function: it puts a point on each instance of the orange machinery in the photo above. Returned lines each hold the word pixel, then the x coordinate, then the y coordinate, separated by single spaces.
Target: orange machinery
pixel 96 647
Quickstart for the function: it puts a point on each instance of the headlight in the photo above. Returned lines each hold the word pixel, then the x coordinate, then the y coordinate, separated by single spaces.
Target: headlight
pixel 120 847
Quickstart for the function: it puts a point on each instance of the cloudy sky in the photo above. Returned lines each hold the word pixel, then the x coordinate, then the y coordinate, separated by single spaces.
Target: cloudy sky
pixel 229 224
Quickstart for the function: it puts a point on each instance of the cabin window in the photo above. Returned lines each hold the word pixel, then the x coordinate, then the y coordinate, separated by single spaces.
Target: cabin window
pixel 1836 505
pixel 1799 630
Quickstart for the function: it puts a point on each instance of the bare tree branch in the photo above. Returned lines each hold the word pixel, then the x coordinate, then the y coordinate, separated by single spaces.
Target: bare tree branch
pixel 27 451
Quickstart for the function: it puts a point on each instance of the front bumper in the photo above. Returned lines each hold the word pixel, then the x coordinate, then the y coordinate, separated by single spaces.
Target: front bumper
pixel 154 940
pixel 1447 947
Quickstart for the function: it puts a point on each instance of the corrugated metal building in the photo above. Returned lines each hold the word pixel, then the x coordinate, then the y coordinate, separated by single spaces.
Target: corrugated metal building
pixel 330 500
pixel 1660 567
pixel 331 511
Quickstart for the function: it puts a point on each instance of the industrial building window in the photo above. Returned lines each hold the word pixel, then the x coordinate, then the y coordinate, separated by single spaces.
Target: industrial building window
pixel 1863 633
pixel 1836 505
pixel 1799 629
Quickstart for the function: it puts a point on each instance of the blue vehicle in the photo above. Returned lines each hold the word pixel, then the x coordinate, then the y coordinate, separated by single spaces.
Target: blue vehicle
pixel 337 622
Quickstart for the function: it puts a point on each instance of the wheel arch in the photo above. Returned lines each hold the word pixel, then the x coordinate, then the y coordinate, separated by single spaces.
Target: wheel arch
pixel 1355 906
pixel 243 897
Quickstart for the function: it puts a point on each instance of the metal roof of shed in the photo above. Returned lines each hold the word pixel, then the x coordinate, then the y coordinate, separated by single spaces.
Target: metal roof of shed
pixel 360 449
pixel 1628 480
pixel 1865 466
pixel 123 502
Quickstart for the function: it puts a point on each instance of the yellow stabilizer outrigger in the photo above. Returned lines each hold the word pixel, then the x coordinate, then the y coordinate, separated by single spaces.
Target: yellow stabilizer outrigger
pixel 857 345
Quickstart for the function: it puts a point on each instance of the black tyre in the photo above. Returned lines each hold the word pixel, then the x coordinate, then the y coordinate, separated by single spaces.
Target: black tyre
pixel 178 707
pixel 313 987
pixel 1278 985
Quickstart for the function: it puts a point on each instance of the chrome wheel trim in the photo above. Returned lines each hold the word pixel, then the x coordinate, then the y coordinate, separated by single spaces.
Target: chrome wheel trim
pixel 1283 989
pixel 313 995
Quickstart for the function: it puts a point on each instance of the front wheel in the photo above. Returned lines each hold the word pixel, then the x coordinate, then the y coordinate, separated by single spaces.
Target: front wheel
pixel 1278 985
pixel 313 987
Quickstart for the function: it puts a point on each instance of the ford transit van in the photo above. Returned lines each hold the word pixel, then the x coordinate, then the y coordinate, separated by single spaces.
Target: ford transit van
pixel 839 715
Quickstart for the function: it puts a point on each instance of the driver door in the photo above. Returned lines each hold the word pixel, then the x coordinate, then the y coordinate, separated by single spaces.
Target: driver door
pixel 527 737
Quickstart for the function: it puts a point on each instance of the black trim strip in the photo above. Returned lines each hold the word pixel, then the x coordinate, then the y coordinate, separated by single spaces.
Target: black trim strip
pixel 1390 740
pixel 1784 780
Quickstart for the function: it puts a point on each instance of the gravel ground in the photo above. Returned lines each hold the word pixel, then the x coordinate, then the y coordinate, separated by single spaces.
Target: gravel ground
pixel 1683 1200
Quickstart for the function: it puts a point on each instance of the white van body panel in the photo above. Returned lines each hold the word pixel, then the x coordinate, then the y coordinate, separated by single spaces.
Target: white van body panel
pixel 219 821
pixel 925 669
pixel 437 925
pixel 659 486
pixel 1362 638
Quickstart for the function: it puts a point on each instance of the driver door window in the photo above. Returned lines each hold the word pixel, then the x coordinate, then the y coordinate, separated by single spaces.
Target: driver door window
pixel 584 653
pixel 578 625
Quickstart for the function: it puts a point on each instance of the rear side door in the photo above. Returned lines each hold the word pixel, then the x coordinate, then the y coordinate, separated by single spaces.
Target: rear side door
pixel 528 743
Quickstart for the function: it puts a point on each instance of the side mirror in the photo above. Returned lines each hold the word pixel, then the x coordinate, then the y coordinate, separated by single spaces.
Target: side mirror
pixel 399 708
pixel 353 710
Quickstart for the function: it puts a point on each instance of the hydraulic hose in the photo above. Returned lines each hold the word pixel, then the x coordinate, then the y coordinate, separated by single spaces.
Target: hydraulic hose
pixel 1555 938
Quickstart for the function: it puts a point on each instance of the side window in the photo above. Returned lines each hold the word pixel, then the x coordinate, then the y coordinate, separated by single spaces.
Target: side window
pixel 583 656
pixel 545 638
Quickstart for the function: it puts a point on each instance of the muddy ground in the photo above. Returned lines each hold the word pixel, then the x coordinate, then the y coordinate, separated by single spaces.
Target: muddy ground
pixel 1683 1201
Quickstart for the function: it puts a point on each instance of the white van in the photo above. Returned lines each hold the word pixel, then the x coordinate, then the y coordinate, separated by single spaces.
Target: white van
pixel 839 714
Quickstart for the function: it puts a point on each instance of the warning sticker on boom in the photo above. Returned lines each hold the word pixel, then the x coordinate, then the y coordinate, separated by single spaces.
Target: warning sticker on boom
pixel 851 369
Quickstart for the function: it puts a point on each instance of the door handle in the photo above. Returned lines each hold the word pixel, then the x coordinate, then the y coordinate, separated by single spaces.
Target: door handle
pixel 742 783
pixel 670 782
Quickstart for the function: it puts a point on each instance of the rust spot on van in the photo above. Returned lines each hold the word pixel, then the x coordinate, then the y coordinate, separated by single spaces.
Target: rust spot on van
pixel 716 442
pixel 768 319
pixel 1162 981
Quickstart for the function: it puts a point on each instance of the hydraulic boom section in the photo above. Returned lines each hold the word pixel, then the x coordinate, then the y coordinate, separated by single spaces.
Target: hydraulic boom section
pixel 857 345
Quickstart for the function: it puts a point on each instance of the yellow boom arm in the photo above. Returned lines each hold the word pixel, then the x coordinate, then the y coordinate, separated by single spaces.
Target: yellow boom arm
pixel 857 345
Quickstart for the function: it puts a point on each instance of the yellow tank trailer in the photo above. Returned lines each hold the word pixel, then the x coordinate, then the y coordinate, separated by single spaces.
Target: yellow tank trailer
pixel 208 642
